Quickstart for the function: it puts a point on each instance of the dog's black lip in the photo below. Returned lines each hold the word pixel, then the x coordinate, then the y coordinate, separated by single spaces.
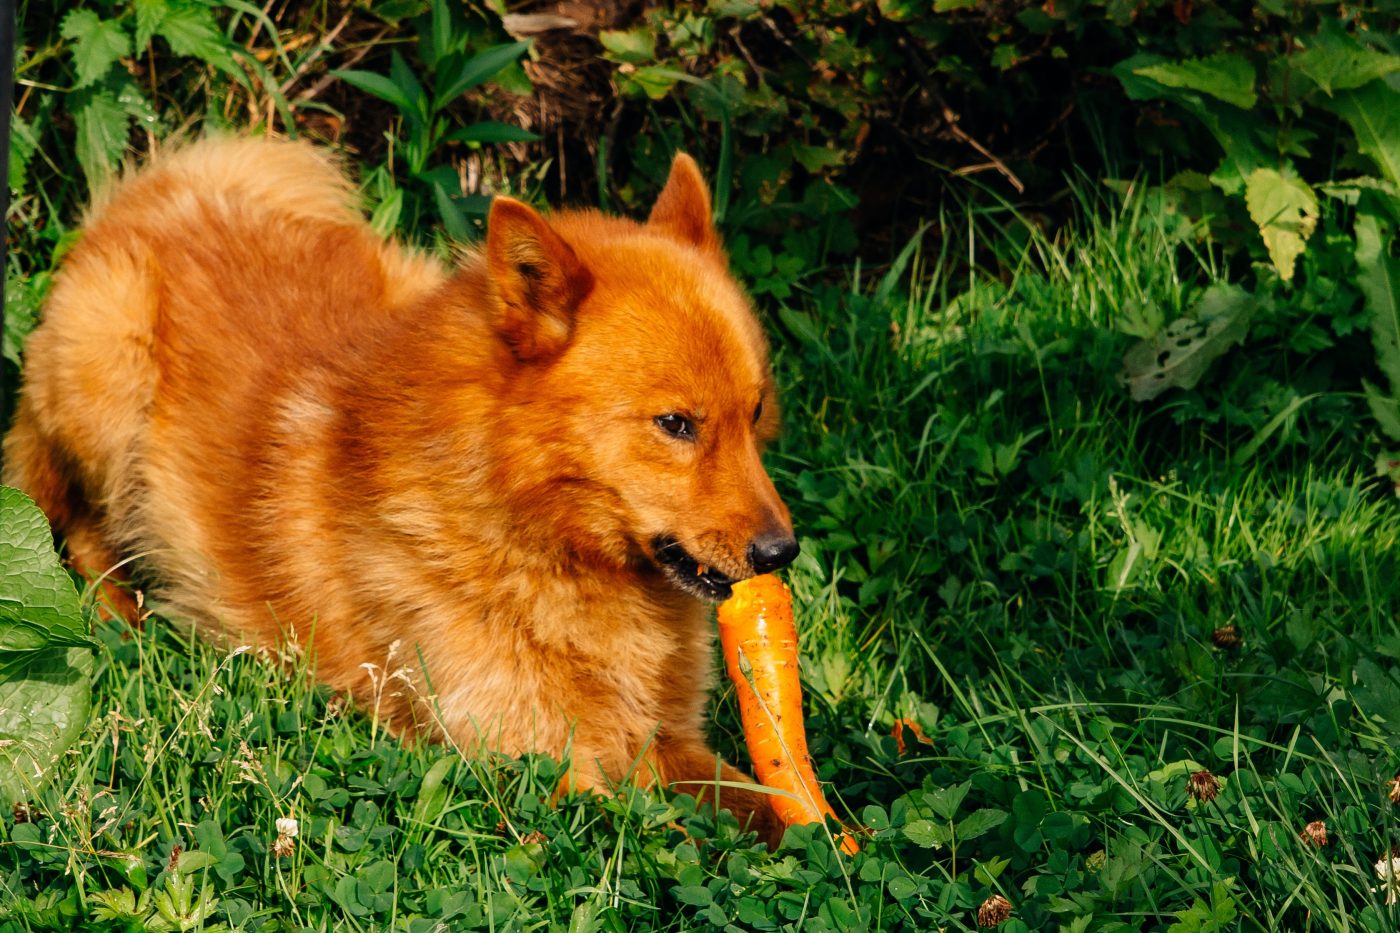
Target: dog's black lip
pixel 683 571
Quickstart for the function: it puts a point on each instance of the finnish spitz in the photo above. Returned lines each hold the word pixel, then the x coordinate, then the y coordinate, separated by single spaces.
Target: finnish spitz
pixel 532 470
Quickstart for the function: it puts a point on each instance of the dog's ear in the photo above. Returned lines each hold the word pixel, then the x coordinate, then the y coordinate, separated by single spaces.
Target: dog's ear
pixel 538 280
pixel 683 207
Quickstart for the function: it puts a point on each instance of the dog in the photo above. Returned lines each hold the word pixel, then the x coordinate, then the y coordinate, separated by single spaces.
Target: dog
pixel 530 471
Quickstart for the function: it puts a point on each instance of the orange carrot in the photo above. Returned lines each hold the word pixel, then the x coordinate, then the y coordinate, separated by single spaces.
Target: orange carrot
pixel 760 652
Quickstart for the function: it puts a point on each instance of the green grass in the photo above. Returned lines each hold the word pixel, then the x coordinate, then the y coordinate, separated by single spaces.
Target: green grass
pixel 999 547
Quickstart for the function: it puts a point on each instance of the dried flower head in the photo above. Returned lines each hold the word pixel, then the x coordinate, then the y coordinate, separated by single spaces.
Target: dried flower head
pixel 1314 834
pixel 994 910
pixel 1227 636
pixel 1393 789
pixel 1203 786
pixel 287 830
pixel 1388 871
pixel 24 813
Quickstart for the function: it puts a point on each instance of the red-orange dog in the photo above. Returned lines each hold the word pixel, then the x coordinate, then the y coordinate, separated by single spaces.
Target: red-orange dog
pixel 532 470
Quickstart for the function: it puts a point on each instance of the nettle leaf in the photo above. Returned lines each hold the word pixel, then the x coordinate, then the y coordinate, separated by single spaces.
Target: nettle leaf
pixel 1337 62
pixel 1378 277
pixel 101 122
pixel 149 13
pixel 1227 76
pixel 1373 111
pixel 192 31
pixel 1285 208
pixel 1179 355
pixel 38 605
pixel 97 44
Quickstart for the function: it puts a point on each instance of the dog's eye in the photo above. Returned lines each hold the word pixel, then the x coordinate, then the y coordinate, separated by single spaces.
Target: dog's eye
pixel 676 426
pixel 758 411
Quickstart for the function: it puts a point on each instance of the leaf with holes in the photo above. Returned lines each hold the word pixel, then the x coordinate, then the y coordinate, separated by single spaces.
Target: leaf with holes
pixel 1179 355
pixel 1285 208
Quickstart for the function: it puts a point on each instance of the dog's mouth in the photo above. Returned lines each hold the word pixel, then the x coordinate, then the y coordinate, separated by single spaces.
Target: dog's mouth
pixel 688 574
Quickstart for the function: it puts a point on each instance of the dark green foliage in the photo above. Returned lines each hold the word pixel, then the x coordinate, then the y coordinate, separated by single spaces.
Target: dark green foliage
pixel 1077 600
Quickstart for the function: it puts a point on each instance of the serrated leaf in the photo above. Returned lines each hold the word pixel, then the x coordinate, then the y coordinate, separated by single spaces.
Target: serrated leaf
pixel 97 44
pixel 1373 112
pixel 1337 62
pixel 149 14
pixel 1226 76
pixel 192 31
pixel 44 701
pixel 478 69
pixel 979 823
pixel 1179 355
pixel 927 834
pixel 101 122
pixel 1285 209
pixel 1378 277
pixel 23 143
pixel 38 605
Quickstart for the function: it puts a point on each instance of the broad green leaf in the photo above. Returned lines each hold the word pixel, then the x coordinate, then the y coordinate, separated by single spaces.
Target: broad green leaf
pixel 489 131
pixel 1337 62
pixel 192 31
pixel 1178 357
pixel 38 605
pixel 631 46
pixel 1226 76
pixel 97 44
pixel 1373 112
pixel 1285 209
pixel 101 123
pixel 1378 277
pixel 478 69
pixel 44 701
pixel 378 86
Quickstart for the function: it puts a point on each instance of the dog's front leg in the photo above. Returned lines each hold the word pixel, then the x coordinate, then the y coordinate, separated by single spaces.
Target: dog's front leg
pixel 687 765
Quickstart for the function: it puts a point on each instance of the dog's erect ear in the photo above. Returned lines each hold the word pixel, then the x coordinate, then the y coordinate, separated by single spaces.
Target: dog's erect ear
pixel 683 207
pixel 538 279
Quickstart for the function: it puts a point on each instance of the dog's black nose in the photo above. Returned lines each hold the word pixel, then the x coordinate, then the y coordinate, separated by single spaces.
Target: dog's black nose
pixel 772 552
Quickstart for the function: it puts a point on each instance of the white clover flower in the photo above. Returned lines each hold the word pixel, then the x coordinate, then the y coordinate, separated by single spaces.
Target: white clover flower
pixel 287 826
pixel 1388 871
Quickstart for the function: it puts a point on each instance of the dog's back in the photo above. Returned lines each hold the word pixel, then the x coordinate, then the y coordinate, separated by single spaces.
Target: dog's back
pixel 199 282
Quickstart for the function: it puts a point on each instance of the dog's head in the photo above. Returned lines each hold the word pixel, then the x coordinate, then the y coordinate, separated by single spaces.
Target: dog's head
pixel 636 344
